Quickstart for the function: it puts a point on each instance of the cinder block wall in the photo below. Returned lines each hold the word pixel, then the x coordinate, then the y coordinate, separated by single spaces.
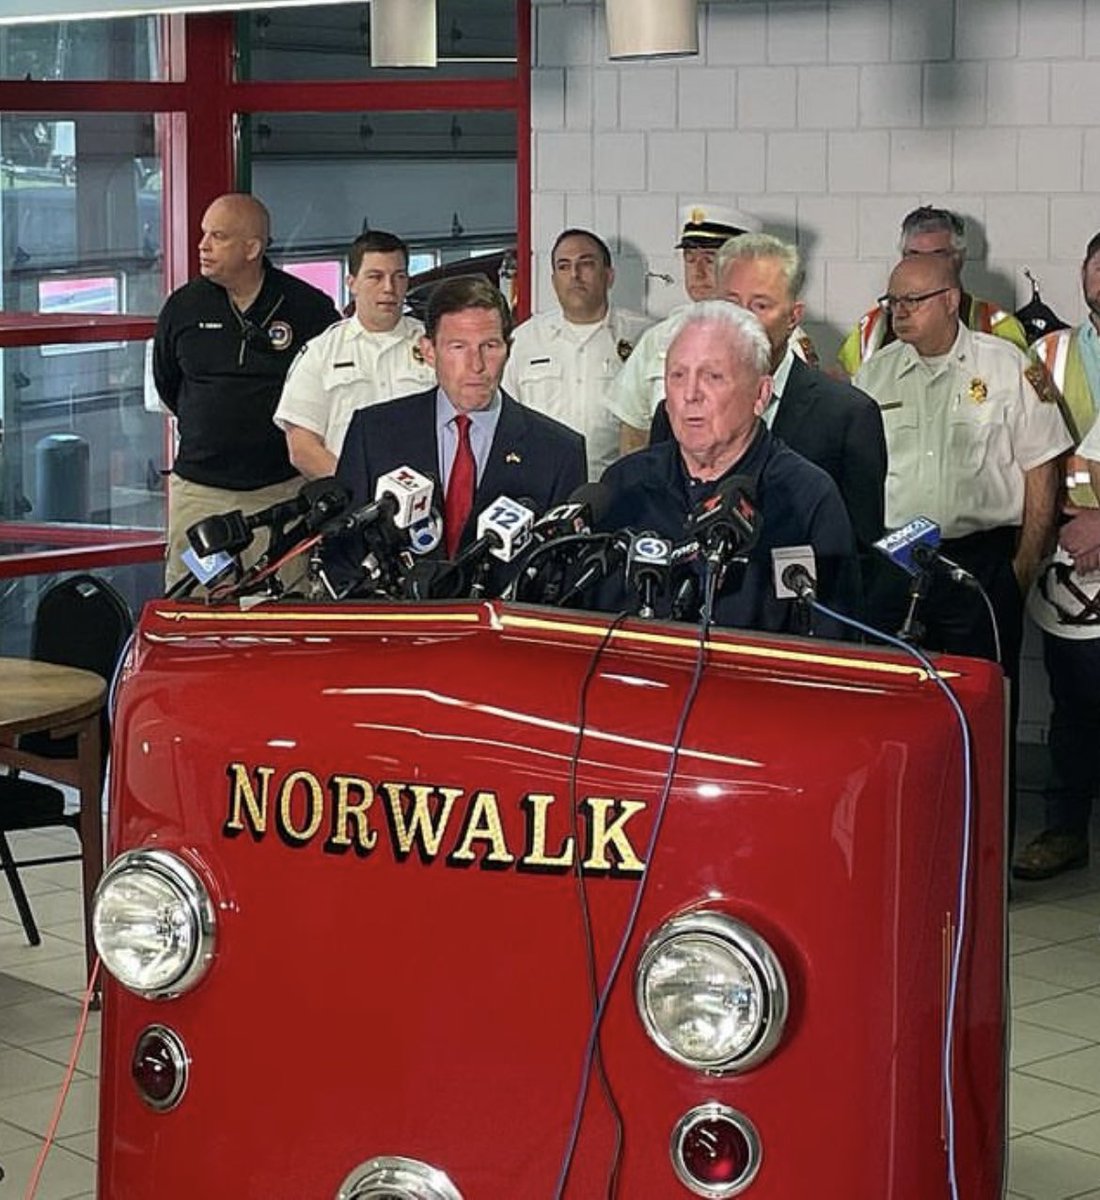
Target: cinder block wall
pixel 829 120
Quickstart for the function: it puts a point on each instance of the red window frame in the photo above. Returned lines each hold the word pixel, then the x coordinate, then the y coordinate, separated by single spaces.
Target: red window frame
pixel 203 103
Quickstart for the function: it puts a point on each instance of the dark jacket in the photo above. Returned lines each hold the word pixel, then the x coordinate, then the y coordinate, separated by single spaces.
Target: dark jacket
pixel 797 505
pixel 839 428
pixel 532 458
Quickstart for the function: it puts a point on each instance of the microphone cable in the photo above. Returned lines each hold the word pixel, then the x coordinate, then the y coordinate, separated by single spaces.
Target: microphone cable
pixel 962 900
pixel 581 889
pixel 602 996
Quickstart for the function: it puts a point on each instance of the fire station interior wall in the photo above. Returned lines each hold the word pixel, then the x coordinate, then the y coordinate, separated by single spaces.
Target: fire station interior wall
pixel 829 120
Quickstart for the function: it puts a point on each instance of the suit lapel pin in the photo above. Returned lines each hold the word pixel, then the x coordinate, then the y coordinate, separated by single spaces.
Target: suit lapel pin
pixel 512 457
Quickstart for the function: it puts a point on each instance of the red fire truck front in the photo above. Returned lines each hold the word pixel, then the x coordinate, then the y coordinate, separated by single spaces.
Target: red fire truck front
pixel 481 901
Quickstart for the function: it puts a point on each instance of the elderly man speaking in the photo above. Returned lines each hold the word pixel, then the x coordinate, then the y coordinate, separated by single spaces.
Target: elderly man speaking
pixel 717 386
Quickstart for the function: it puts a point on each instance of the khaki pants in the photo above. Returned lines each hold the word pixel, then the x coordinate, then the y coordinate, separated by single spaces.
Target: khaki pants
pixel 190 502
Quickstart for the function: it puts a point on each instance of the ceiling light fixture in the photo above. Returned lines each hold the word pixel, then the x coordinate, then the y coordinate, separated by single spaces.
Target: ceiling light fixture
pixel 651 28
pixel 402 33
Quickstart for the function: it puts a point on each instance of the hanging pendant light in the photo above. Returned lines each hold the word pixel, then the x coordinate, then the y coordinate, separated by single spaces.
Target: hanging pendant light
pixel 402 33
pixel 651 28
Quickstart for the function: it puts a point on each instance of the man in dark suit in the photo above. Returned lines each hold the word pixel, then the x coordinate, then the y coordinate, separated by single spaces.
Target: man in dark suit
pixel 833 424
pixel 477 442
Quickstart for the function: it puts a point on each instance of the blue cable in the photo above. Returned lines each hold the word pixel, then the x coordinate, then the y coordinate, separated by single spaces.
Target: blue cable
pixel 948 1057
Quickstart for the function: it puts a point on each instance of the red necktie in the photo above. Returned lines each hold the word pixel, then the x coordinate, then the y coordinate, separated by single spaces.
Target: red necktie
pixel 460 487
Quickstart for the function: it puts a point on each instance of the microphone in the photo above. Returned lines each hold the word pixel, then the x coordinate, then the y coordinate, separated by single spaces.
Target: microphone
pixel 585 508
pixel 403 495
pixel 329 499
pixel 507 525
pixel 648 559
pixel 794 570
pixel 915 548
pixel 231 532
pixel 426 534
pixel 203 570
pixel 605 557
pixel 503 529
pixel 223 533
pixel 726 524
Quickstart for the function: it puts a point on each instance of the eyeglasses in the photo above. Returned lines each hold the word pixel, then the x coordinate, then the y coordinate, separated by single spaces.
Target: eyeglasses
pixel 890 303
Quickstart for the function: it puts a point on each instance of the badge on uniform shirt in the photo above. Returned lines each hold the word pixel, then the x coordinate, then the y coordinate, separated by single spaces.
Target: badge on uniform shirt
pixel 417 353
pixel 624 349
pixel 280 335
pixel 978 390
pixel 1039 378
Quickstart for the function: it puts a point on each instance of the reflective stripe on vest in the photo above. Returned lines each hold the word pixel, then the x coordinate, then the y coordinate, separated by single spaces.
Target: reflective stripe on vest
pixel 872 329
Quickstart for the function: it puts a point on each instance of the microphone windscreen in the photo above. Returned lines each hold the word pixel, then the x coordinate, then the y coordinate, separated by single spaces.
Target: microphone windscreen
pixel 596 496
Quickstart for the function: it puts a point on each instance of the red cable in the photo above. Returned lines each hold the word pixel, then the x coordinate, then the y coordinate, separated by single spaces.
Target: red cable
pixel 70 1071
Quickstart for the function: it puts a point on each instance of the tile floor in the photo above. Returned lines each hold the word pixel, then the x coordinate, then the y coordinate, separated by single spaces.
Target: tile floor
pixel 1054 1152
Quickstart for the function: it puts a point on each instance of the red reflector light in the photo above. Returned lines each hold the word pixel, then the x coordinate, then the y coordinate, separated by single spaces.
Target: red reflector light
pixel 159 1068
pixel 715 1151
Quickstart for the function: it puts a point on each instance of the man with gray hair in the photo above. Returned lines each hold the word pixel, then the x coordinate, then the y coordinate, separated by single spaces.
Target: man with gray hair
pixel 831 423
pixel 639 387
pixel 942 234
pixel 717 386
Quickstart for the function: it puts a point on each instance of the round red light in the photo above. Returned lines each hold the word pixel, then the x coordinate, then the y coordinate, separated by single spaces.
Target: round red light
pixel 159 1067
pixel 716 1151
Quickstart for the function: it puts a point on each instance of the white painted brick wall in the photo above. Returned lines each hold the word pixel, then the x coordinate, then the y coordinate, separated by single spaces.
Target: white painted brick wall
pixel 828 97
pixel 829 120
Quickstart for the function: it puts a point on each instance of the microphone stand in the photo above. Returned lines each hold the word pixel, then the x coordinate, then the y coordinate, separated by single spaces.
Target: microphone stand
pixel 480 582
pixel 912 630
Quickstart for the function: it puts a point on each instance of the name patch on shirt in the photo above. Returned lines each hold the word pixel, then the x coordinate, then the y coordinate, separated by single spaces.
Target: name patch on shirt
pixel 211 325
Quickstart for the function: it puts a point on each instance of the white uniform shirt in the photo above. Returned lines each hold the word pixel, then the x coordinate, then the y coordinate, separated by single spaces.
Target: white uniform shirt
pixel 566 371
pixel 640 385
pixel 961 434
pixel 345 369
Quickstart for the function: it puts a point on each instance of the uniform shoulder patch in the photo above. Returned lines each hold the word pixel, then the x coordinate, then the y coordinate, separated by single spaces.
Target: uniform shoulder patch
pixel 280 335
pixel 1038 376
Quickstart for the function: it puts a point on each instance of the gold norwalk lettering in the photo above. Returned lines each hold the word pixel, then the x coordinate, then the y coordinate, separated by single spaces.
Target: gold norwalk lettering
pixel 601 835
pixel 346 814
pixel 537 832
pixel 314 797
pixel 417 828
pixel 244 803
pixel 535 857
pixel 482 825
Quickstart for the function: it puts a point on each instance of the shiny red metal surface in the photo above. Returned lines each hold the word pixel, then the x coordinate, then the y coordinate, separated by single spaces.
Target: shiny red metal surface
pixel 372 995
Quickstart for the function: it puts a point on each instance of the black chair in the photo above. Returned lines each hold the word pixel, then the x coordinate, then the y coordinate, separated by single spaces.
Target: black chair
pixel 80 622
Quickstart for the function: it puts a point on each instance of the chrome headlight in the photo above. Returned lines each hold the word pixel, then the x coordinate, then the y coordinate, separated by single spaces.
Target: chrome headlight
pixel 711 992
pixel 153 923
pixel 392 1177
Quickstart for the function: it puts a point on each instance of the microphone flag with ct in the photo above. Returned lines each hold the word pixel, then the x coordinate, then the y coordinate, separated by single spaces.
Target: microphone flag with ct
pixel 726 524
pixel 585 508
pixel 557 539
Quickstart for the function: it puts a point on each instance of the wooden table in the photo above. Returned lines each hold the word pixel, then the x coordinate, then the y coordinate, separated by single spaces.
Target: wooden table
pixel 37 696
